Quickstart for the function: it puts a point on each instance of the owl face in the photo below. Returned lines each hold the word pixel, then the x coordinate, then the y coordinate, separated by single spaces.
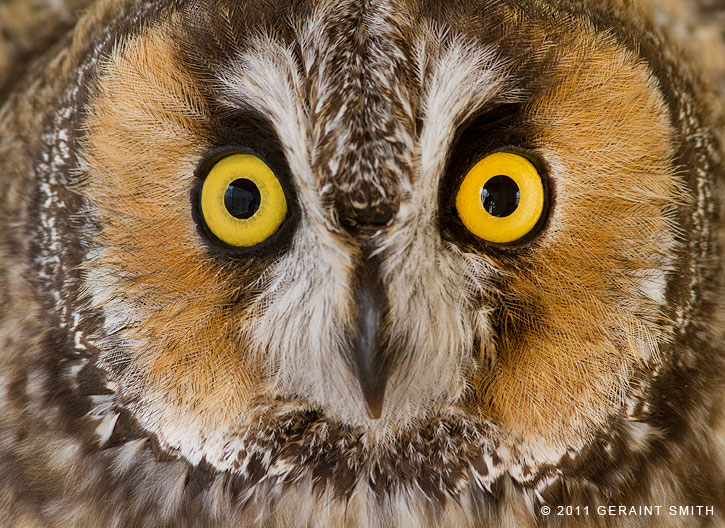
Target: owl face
pixel 325 239
pixel 373 299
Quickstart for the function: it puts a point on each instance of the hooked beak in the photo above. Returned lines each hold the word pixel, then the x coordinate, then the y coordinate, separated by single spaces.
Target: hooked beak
pixel 369 362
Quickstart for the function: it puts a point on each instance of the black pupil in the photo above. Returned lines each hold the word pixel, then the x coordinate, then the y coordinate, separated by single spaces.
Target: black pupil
pixel 500 196
pixel 242 198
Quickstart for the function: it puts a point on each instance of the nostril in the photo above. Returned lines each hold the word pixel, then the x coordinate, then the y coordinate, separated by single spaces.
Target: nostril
pixel 357 215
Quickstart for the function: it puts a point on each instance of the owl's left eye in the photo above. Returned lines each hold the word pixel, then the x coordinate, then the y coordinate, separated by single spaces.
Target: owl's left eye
pixel 242 201
pixel 501 199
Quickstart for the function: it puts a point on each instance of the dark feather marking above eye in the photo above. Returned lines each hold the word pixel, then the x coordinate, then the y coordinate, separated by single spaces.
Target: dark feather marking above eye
pixel 488 131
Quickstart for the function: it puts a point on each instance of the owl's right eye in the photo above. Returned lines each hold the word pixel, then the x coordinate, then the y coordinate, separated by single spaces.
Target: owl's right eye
pixel 242 201
pixel 501 199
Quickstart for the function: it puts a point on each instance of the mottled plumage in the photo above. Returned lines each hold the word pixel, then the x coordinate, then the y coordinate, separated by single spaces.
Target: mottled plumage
pixel 151 375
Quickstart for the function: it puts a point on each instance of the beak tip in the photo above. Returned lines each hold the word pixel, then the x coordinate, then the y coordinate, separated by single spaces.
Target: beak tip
pixel 374 397
pixel 375 408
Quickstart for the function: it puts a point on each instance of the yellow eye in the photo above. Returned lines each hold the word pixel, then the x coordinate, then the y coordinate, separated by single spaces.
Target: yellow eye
pixel 242 201
pixel 501 199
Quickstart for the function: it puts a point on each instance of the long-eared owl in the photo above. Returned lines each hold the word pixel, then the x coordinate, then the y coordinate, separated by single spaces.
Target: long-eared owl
pixel 362 263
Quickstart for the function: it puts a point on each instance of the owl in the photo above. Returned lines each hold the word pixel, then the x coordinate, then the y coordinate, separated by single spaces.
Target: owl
pixel 375 263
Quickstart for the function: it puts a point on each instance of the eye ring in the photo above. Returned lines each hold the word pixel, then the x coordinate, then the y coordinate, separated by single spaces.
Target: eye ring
pixel 511 221
pixel 248 224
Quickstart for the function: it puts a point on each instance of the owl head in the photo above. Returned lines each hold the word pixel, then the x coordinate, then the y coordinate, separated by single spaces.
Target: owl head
pixel 384 249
